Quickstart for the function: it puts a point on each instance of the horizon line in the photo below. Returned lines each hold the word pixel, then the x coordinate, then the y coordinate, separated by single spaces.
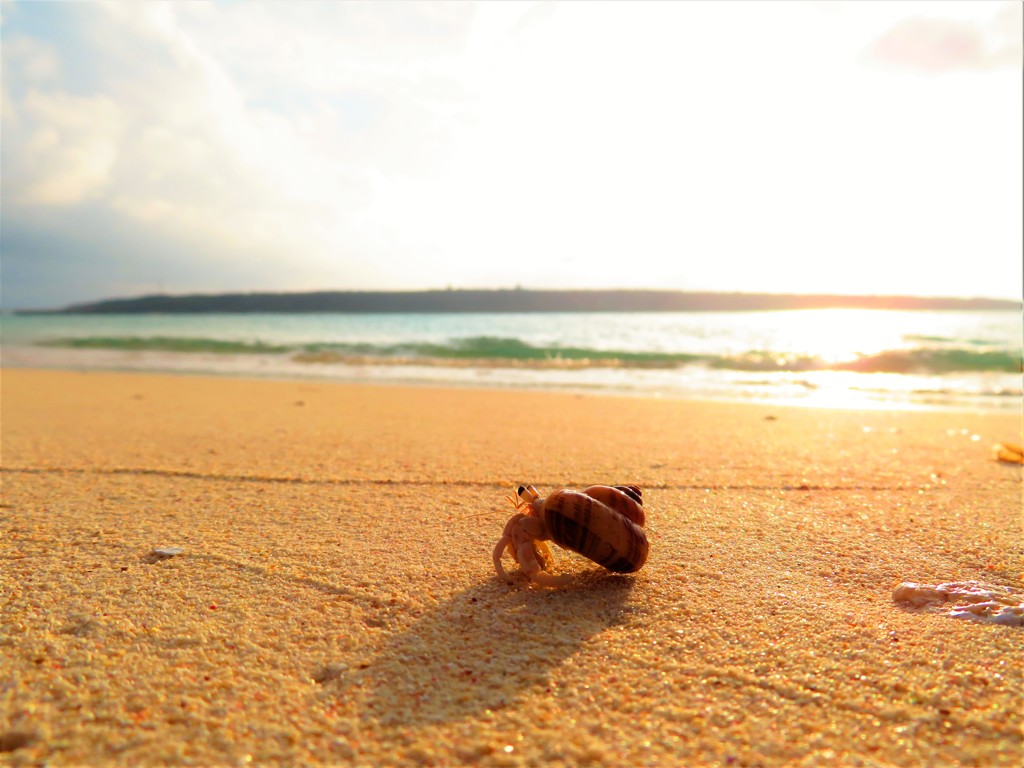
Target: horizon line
pixel 139 300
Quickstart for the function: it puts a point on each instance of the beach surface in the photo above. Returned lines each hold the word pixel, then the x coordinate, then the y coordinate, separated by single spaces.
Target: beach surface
pixel 334 599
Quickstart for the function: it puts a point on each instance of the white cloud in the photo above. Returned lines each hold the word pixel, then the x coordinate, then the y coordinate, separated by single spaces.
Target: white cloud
pixel 943 44
pixel 68 150
pixel 37 60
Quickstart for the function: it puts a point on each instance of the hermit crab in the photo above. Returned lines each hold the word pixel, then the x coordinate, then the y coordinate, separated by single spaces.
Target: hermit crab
pixel 603 523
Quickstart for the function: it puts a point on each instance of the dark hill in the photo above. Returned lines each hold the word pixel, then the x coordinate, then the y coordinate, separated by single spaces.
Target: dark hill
pixel 515 300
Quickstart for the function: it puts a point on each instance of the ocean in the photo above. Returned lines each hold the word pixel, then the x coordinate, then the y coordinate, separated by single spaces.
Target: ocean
pixel 859 358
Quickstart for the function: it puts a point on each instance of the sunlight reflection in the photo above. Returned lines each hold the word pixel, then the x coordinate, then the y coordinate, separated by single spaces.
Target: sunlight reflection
pixel 838 335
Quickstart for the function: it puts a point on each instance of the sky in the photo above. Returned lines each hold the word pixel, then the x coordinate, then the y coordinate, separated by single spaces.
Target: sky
pixel 822 147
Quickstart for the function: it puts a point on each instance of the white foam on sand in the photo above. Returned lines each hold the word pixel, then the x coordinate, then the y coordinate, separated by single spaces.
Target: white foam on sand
pixel 990 603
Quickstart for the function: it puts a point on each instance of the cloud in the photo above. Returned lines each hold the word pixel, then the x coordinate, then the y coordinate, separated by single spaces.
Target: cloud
pixel 39 62
pixel 932 44
pixel 59 147
pixel 67 150
pixel 297 103
pixel 165 122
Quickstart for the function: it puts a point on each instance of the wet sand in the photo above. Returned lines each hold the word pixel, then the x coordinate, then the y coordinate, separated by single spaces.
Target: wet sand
pixel 334 600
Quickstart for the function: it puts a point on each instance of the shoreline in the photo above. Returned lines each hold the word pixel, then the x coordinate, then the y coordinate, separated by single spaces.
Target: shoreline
pixel 797 389
pixel 334 600
pixel 824 358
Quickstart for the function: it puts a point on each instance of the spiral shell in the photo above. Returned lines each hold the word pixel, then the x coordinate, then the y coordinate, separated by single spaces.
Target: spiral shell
pixel 624 499
pixel 600 524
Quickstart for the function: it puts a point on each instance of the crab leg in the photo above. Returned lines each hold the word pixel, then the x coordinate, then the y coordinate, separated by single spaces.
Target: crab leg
pixel 505 541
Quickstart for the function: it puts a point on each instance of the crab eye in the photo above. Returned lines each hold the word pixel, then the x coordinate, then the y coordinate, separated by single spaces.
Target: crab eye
pixel 521 491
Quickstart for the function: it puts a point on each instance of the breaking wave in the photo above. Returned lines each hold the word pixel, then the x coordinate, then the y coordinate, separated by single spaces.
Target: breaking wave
pixel 498 351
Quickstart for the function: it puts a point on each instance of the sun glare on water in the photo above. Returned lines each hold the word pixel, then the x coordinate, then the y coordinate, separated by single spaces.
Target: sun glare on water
pixel 829 358
pixel 840 335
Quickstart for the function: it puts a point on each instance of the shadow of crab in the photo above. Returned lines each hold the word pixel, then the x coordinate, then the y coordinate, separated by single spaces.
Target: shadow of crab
pixel 483 649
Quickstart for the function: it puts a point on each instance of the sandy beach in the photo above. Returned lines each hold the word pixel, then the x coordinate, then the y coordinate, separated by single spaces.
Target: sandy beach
pixel 334 600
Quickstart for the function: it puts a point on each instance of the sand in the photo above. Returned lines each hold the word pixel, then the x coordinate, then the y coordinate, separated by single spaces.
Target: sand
pixel 334 600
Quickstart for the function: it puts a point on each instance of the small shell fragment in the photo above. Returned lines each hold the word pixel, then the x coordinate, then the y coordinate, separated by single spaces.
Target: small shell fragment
pixel 1008 453
pixel 167 551
pixel 991 603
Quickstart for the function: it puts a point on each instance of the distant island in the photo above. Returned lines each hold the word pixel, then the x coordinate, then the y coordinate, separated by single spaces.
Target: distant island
pixel 515 300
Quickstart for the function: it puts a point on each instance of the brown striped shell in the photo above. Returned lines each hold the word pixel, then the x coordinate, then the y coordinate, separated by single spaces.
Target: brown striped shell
pixel 602 524
pixel 624 499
